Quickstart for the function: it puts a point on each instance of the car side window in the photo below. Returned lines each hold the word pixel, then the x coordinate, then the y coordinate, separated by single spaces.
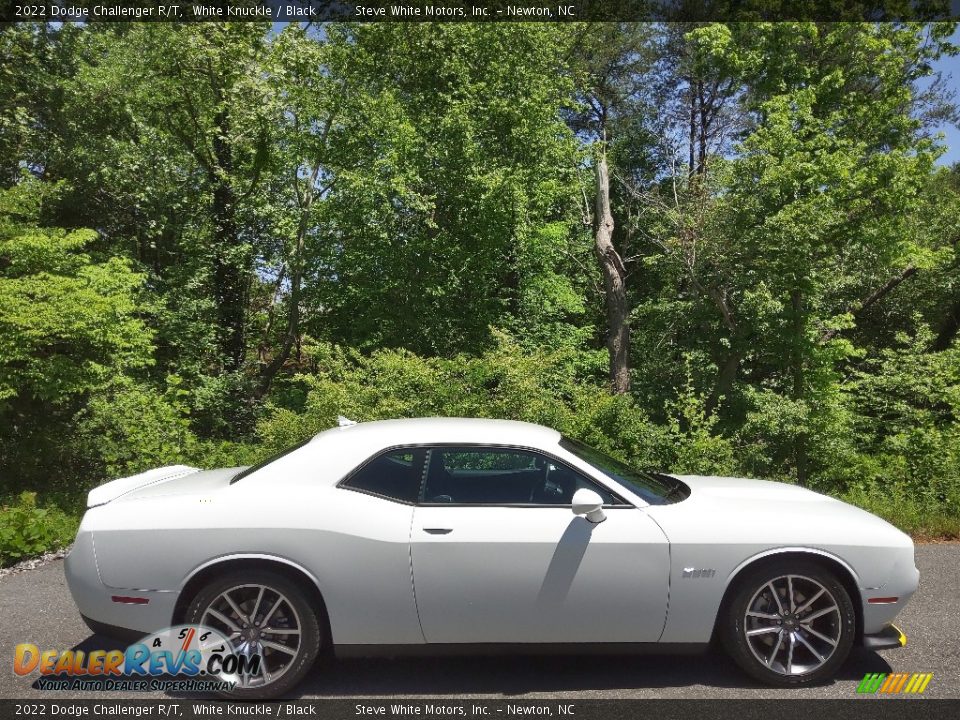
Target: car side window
pixel 502 476
pixel 394 475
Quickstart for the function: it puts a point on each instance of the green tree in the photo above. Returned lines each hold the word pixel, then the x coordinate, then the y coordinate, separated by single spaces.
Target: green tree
pixel 823 194
pixel 194 95
pixel 451 206
pixel 69 323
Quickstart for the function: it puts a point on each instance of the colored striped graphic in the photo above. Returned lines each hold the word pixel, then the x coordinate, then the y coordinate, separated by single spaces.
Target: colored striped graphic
pixel 894 683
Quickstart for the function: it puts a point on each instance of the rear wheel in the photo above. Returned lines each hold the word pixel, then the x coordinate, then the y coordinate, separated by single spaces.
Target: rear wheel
pixel 261 613
pixel 789 626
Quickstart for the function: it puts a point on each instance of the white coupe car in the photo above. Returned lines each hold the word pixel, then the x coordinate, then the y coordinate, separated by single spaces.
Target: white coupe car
pixel 457 535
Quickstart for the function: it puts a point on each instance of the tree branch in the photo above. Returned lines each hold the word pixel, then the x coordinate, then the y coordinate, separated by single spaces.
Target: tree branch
pixel 873 298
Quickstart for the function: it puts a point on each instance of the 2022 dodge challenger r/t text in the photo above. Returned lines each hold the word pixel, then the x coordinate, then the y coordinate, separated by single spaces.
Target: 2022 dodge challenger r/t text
pixel 462 535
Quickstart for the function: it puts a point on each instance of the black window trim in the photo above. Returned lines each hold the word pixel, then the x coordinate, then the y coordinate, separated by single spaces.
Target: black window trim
pixel 266 462
pixel 342 484
pixel 625 484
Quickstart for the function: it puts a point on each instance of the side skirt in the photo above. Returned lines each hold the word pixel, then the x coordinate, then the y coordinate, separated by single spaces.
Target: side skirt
pixel 494 649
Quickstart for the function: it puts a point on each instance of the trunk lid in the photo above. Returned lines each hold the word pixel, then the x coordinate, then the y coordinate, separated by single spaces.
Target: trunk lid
pixel 170 480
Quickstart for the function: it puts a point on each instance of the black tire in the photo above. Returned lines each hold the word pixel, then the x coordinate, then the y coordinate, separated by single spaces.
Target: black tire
pixel 305 615
pixel 752 592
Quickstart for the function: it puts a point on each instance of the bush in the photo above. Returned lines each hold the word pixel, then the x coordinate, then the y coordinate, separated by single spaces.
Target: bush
pixel 695 445
pixel 26 529
pixel 903 465
pixel 898 504
pixel 128 428
pixel 507 382
pixel 906 409
pixel 209 454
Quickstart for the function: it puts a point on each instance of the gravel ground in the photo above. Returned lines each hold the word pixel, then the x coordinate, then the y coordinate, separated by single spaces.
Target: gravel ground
pixel 34 563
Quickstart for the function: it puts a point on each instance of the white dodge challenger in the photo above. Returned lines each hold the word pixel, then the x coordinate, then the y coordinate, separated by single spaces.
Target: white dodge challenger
pixel 456 535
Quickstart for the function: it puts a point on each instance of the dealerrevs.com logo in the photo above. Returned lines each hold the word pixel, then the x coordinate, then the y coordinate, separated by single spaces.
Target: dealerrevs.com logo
pixel 186 658
pixel 894 683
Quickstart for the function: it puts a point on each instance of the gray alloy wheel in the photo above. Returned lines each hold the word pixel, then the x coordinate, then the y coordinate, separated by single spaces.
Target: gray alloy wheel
pixel 793 625
pixel 261 613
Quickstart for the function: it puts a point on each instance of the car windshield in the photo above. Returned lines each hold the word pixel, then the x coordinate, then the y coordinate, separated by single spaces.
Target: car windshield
pixel 654 488
pixel 263 463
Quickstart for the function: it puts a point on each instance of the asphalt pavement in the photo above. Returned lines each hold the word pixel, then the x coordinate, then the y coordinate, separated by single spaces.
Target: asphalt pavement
pixel 35 606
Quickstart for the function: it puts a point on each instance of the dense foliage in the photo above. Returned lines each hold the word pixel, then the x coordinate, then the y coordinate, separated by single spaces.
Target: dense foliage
pixel 707 248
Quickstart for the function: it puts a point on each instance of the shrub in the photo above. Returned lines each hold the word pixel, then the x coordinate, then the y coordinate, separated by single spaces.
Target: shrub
pixel 507 382
pixel 128 428
pixel 695 444
pixel 26 529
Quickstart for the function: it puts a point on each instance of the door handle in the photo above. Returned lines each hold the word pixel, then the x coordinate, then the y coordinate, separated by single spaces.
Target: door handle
pixel 438 531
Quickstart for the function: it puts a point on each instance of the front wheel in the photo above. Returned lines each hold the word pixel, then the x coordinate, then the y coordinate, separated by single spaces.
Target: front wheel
pixel 789 626
pixel 261 613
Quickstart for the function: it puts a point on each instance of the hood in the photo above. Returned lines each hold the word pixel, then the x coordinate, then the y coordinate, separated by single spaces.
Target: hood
pixel 171 480
pixel 732 488
pixel 742 510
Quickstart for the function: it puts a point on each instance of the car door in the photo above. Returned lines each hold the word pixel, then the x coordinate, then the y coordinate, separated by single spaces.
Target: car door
pixel 499 557
pixel 365 551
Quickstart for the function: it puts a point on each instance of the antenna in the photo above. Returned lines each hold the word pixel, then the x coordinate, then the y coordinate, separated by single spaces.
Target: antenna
pixel 345 421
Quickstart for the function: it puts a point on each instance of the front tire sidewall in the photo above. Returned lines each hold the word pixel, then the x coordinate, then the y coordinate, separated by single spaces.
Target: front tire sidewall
pixel 310 636
pixel 733 632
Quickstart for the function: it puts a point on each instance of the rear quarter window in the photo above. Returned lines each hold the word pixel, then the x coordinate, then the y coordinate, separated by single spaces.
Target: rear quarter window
pixel 394 475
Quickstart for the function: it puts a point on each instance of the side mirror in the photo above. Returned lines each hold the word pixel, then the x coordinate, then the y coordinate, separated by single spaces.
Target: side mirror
pixel 589 504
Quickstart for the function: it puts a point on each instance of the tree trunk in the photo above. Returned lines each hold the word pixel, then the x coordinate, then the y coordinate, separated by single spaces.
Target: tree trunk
pixel 292 335
pixel 702 130
pixel 305 202
pixel 229 281
pixel 230 259
pixel 726 376
pixel 799 379
pixel 692 161
pixel 614 275
pixel 948 329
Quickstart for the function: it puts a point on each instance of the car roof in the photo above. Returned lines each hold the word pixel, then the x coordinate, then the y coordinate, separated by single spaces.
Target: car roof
pixel 443 430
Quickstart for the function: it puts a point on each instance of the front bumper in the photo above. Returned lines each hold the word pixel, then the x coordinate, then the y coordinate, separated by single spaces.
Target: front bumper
pixel 903 579
pixel 887 639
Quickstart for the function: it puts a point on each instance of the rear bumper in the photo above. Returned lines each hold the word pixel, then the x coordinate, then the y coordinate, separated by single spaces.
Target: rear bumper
pixel 114 632
pixel 101 606
pixel 887 639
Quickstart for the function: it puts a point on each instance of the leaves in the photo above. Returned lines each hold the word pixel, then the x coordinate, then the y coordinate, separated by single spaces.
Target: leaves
pixel 216 238
pixel 67 323
pixel 26 529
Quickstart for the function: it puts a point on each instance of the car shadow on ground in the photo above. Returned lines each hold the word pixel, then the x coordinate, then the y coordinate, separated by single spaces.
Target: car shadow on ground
pixel 519 675
pixel 86 646
pixel 516 675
